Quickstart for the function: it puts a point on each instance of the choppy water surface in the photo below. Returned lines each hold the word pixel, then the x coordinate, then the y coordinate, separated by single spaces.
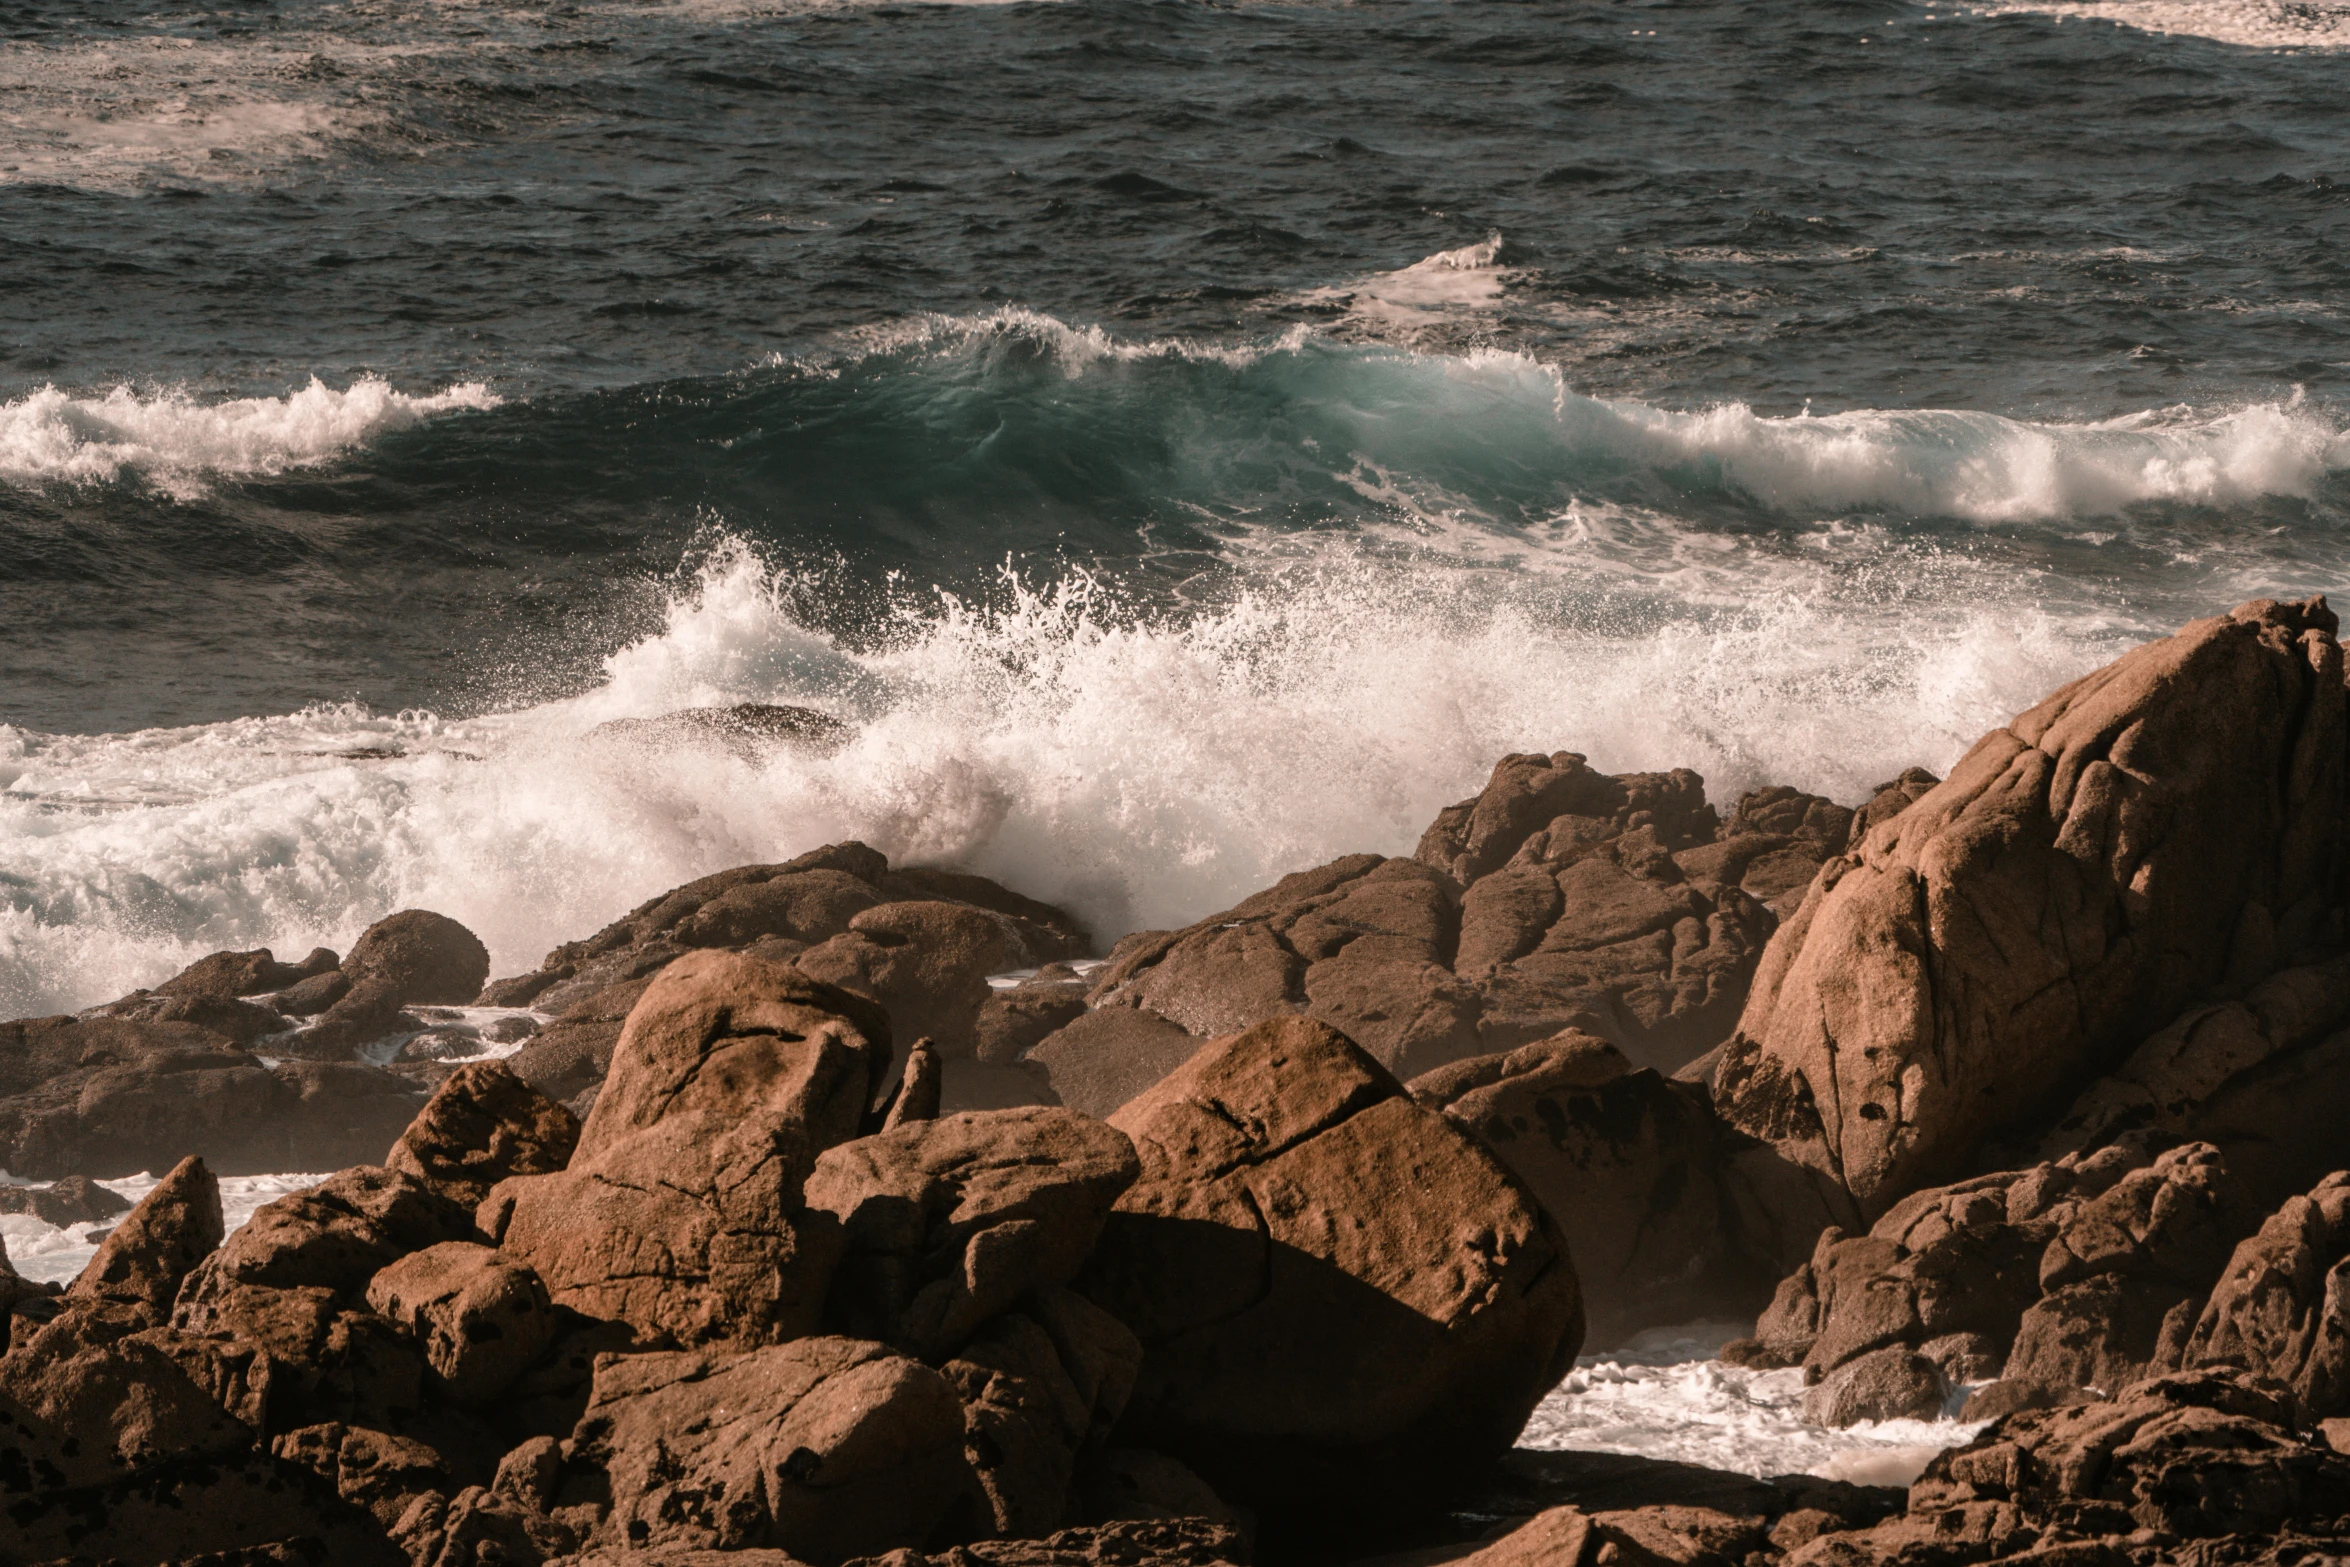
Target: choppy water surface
pixel 1184 441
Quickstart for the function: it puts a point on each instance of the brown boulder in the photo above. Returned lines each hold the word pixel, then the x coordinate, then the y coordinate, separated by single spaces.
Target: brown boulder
pixel 1105 1057
pixel 777 911
pixel 72 1199
pixel 680 1212
pixel 1299 1218
pixel 482 1125
pixel 2164 828
pixel 2196 1457
pixel 1629 1165
pixel 108 1097
pixel 1894 1383
pixel 480 1318
pixel 926 962
pixel 231 974
pixel 824 1447
pixel 571 1055
pixel 1012 1021
pixel 290 1286
pixel 142 1261
pixel 949 1223
pixel 1035 1394
pixel 419 956
pixel 2281 1308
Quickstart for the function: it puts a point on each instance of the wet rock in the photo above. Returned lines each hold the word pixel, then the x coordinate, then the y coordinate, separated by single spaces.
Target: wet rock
pixel 948 1223
pixel 1894 1383
pixel 72 1199
pixel 106 1098
pixel 313 995
pixel 778 910
pixel 2168 826
pixel 926 962
pixel 141 1263
pixel 238 1022
pixel 827 1448
pixel 574 1052
pixel 232 974
pixel 419 956
pixel 481 1319
pixel 680 1212
pixel 1298 1218
pixel 2281 1308
pixel 750 730
pixel 1105 1057
pixel 1629 1165
pixel 1012 1021
pixel 369 1011
pixel 482 1125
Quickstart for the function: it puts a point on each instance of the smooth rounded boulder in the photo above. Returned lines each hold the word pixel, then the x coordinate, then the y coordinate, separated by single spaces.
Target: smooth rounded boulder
pixel 1345 1303
pixel 420 957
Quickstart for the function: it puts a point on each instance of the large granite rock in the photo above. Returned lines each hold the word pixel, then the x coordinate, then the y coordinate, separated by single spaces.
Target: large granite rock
pixel 680 1212
pixel 1559 897
pixel 926 962
pixel 2067 1280
pixel 828 1448
pixel 2164 829
pixel 949 1223
pixel 482 1125
pixel 1298 1221
pixel 1631 1166
pixel 289 1289
pixel 2281 1308
pixel 143 1260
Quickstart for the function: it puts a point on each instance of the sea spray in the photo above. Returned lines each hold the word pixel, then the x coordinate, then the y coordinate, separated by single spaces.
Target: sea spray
pixel 1145 764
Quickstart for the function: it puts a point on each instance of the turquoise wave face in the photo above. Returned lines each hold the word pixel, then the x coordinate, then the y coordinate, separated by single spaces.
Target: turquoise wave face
pixel 451 533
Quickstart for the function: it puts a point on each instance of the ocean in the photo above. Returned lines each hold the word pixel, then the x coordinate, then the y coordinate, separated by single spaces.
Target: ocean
pixel 1182 442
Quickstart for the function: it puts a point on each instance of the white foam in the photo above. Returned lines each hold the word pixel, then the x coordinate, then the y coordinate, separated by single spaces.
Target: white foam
pixel 177 441
pixel 1664 1396
pixel 1467 278
pixel 2248 24
pixel 44 1253
pixel 1143 768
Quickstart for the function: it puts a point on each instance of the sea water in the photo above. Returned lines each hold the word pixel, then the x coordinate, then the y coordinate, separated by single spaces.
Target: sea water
pixel 1181 442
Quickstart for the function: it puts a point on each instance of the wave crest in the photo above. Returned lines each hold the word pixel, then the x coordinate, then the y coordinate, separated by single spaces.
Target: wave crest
pixel 177 442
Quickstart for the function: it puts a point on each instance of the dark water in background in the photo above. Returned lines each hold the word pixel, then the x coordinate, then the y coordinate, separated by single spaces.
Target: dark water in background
pixel 1355 390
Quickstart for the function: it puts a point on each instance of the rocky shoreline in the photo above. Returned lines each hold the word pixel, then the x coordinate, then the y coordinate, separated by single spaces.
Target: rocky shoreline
pixel 835 1211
